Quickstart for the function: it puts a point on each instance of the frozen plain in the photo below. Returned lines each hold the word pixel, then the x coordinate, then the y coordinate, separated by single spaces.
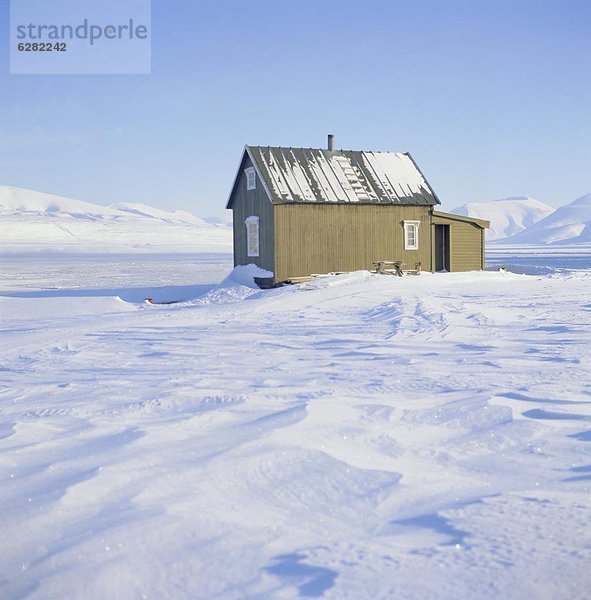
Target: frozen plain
pixel 359 437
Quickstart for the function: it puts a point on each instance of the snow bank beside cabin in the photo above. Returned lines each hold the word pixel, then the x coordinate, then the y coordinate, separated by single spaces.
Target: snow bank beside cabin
pixel 238 285
pixel 244 275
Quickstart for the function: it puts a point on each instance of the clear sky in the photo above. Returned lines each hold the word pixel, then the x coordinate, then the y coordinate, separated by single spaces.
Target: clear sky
pixel 492 98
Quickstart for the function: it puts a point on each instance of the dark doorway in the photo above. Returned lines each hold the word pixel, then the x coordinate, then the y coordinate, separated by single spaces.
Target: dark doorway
pixel 442 248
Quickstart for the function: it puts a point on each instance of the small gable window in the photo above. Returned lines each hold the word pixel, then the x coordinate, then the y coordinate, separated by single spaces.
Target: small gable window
pixel 251 178
pixel 411 235
pixel 252 236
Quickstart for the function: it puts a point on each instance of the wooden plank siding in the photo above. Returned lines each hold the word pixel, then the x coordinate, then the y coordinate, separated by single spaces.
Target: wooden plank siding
pixel 466 244
pixel 253 203
pixel 323 238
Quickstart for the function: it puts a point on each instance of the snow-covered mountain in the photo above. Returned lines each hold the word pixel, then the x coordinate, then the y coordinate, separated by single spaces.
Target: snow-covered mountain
pixel 507 216
pixel 31 220
pixel 569 224
pixel 225 220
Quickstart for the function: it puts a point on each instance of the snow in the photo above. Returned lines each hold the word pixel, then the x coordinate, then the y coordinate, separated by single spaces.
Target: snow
pixel 36 222
pixel 401 172
pixel 237 286
pixel 523 220
pixel 539 260
pixel 133 277
pixel 177 216
pixel 29 201
pixel 507 216
pixel 223 221
pixel 326 281
pixel 244 275
pixel 313 174
pixel 569 224
pixel 361 436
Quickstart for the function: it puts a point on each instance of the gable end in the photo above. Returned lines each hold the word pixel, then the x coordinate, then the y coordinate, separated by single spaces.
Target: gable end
pixel 247 161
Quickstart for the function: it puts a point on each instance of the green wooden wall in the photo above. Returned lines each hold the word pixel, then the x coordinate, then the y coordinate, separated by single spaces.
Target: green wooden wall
pixel 322 238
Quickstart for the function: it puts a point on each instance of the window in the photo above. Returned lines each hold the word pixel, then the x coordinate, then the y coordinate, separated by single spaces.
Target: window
pixel 251 178
pixel 411 235
pixel 252 236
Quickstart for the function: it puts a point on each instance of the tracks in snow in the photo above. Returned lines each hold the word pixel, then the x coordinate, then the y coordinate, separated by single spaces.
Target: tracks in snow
pixel 332 441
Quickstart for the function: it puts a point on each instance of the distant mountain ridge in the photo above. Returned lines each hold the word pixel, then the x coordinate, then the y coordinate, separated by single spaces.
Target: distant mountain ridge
pixel 31 220
pixel 525 220
pixel 507 216
pixel 569 224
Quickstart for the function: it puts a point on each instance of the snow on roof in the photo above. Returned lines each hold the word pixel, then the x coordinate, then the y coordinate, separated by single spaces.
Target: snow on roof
pixel 316 175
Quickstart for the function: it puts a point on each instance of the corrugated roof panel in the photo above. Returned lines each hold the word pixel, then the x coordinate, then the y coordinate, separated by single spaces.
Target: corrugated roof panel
pixel 311 178
pixel 400 169
pixel 388 189
pixel 315 175
pixel 362 192
pixel 298 161
pixel 338 164
pixel 300 183
pixel 367 192
pixel 339 194
pixel 327 193
pixel 278 183
pixel 371 180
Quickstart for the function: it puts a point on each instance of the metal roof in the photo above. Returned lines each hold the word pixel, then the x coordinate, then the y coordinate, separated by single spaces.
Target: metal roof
pixel 482 223
pixel 316 175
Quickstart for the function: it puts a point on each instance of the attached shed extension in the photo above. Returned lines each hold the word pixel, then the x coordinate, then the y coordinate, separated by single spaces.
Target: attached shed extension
pixel 458 242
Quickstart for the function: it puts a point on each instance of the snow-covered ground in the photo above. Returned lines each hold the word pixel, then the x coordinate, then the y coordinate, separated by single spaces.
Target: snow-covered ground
pixel 539 260
pixel 132 277
pixel 356 437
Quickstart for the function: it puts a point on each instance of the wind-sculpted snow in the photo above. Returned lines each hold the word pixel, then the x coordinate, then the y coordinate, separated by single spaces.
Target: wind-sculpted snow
pixel 358 437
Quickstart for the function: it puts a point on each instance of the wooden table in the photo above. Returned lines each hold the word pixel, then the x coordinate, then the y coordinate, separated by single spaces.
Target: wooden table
pixel 389 267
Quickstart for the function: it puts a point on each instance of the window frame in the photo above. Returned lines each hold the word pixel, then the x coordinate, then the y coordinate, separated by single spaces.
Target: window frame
pixel 408 227
pixel 251 178
pixel 253 226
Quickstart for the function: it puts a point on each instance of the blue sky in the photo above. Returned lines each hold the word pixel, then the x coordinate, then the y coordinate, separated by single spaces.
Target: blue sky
pixel 491 98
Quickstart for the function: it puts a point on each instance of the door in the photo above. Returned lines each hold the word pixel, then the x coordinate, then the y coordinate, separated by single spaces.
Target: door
pixel 442 248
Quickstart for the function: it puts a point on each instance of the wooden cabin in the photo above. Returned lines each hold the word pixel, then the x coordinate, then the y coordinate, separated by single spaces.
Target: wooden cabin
pixel 298 211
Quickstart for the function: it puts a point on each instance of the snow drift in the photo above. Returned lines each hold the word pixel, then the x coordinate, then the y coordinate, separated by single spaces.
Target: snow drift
pixel 417 437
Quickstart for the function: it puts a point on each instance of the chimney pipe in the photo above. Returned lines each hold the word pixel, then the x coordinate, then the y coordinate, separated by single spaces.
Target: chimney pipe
pixel 330 142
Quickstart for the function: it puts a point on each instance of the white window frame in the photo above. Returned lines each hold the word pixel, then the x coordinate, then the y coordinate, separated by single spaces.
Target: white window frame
pixel 411 228
pixel 252 237
pixel 251 178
